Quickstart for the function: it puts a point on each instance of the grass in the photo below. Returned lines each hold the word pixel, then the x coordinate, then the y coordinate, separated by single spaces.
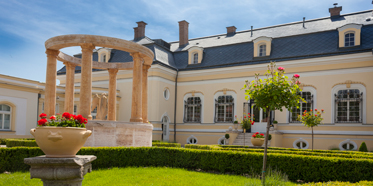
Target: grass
pixel 150 176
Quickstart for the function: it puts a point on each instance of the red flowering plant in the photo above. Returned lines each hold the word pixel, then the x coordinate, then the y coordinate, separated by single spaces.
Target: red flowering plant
pixel 64 120
pixel 247 121
pixel 257 135
pixel 311 119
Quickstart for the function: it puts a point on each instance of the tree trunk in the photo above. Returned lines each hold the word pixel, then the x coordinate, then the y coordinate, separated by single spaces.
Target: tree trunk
pixel 312 138
pixel 265 147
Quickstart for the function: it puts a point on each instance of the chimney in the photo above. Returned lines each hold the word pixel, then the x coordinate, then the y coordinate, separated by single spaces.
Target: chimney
pixel 183 33
pixel 140 30
pixel 335 12
pixel 231 30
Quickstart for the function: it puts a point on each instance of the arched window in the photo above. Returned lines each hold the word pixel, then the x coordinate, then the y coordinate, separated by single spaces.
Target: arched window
pixel 103 58
pixel 192 140
pixel 5 116
pixel 262 50
pixel 192 109
pixel 308 105
pixel 165 128
pixel 349 39
pixel 347 145
pixel 195 58
pixel 300 144
pixel 348 104
pixel 224 106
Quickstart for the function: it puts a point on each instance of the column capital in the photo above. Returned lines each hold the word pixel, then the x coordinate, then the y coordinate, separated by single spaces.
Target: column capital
pixel 67 64
pixel 112 71
pixel 52 53
pixel 136 55
pixel 87 47
pixel 146 67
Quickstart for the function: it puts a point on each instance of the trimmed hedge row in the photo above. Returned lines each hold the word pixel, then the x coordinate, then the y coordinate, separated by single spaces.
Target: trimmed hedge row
pixel 333 183
pixel 297 167
pixel 162 144
pixel 207 147
pixel 20 143
pixel 3 141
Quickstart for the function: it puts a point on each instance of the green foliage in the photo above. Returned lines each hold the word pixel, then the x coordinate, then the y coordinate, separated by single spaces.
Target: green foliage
pixel 363 147
pixel 269 137
pixel 64 120
pixel 311 118
pixel 275 122
pixel 20 143
pixel 246 121
pixel 226 136
pixel 332 183
pixel 306 168
pixel 206 147
pixel 274 92
pixel 163 144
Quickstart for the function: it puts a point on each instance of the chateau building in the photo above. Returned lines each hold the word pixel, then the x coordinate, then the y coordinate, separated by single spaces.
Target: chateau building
pixel 194 85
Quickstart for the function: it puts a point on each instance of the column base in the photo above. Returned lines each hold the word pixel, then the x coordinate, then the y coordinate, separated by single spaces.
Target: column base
pixel 89 117
pixel 136 120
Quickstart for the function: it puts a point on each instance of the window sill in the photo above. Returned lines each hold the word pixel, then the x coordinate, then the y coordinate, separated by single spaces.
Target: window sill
pixel 6 131
pixel 194 64
pixel 262 57
pixel 349 47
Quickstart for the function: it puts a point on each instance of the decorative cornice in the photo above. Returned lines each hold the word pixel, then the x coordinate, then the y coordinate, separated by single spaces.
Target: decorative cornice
pixel 305 85
pixel 224 90
pixel 193 92
pixel 349 82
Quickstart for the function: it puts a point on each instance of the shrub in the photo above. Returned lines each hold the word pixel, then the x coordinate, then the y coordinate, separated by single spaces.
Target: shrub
pixel 162 144
pixel 363 147
pixel 20 143
pixel 297 167
pixel 226 136
pixel 206 147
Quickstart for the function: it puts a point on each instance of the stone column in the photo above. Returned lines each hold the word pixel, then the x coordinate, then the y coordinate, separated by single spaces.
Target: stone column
pixel 145 93
pixel 112 110
pixel 69 89
pixel 136 109
pixel 60 171
pixel 86 81
pixel 50 82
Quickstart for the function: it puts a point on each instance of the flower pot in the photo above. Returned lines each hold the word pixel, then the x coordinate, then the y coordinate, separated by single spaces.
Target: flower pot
pixel 60 142
pixel 258 142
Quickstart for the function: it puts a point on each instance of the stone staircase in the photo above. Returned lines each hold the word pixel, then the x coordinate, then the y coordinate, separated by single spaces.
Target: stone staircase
pixel 240 139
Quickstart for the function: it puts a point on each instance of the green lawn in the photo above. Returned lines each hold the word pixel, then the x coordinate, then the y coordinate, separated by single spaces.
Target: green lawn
pixel 145 176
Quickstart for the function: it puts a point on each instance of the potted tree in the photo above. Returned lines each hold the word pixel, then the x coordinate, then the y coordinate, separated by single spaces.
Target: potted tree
pixel 226 139
pixel 61 136
pixel 273 93
pixel 235 123
pixel 311 119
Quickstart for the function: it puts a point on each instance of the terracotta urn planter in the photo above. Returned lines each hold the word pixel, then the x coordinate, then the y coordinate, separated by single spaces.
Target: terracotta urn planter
pixel 60 142
pixel 258 142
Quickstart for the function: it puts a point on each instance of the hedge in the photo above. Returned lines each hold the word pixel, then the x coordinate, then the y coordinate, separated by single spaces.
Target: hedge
pixel 207 147
pixel 20 143
pixel 161 144
pixel 297 167
pixel 333 183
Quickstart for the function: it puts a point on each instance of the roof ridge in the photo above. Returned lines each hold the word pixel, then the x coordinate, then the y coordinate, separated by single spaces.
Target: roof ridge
pixel 274 26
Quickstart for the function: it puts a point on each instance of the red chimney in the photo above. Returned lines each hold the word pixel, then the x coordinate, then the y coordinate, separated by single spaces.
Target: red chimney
pixel 335 11
pixel 140 30
pixel 231 30
pixel 183 33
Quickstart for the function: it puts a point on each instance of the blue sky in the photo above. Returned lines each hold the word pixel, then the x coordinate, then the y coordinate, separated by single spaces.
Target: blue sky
pixel 26 25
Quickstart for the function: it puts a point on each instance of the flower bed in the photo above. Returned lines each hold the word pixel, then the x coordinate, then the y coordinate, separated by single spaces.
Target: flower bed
pixel 297 167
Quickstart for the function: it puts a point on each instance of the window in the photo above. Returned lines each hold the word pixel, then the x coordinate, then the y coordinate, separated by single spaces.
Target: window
pixel 94 113
pixel 166 94
pixel 262 50
pixel 348 145
pixel 300 144
pixel 195 58
pixel 75 109
pixel 308 97
pixel 349 39
pixel 192 140
pixel 192 109
pixel 224 109
pixel 348 104
pixel 5 113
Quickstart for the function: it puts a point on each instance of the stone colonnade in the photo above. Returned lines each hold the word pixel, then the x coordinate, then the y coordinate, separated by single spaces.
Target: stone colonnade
pixel 139 86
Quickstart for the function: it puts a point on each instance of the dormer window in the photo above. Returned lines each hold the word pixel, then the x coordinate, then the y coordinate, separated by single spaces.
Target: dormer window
pixel 349 35
pixel 103 55
pixel 262 50
pixel 195 55
pixel 262 46
pixel 103 58
pixel 349 39
pixel 195 58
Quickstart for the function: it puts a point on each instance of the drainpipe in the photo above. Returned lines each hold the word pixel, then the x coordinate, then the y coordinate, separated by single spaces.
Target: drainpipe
pixel 37 109
pixel 177 74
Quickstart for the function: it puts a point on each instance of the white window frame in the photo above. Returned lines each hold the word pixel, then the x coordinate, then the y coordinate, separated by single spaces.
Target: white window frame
pixel 200 95
pixel 3 117
pixel 302 141
pixel 228 93
pixel 167 91
pixel 192 137
pixel 195 60
pixel 344 38
pixel 314 106
pixel 361 88
pixel 348 141
pixel 265 50
pixel 166 133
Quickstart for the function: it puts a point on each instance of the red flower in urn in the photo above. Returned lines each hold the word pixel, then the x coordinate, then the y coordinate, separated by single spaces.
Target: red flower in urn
pixel 64 120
